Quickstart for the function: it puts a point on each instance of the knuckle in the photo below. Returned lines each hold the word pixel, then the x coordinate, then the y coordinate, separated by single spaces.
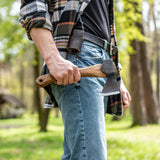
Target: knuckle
pixel 64 74
pixel 70 70
pixel 61 76
pixel 77 78
pixel 58 77
pixel 75 68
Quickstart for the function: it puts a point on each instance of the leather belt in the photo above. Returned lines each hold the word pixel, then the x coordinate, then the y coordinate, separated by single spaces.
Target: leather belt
pixel 78 36
pixel 100 42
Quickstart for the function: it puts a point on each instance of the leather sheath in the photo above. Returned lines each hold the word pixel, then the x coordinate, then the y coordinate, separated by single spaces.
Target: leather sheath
pixel 75 42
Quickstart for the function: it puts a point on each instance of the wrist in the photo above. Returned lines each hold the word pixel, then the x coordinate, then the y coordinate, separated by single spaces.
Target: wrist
pixel 49 50
pixel 51 55
pixel 53 59
pixel 45 44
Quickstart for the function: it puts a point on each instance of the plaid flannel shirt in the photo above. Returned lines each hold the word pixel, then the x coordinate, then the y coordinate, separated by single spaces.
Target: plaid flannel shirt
pixel 60 16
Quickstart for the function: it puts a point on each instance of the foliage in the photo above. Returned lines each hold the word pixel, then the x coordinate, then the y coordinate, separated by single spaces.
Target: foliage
pixel 12 37
pixel 125 23
pixel 124 143
pixel 126 32
pixel 13 42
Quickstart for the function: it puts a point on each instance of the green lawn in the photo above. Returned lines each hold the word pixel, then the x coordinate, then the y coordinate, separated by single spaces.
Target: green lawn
pixel 20 139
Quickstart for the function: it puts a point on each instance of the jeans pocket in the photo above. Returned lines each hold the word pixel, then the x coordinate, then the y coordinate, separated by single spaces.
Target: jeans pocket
pixel 57 91
pixel 90 51
pixel 90 54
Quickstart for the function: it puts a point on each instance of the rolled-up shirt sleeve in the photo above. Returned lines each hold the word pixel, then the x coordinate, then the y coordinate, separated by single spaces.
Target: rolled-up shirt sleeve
pixel 34 13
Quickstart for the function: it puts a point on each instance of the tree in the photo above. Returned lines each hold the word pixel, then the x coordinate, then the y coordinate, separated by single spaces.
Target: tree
pixel 43 114
pixel 15 45
pixel 140 70
pixel 149 96
pixel 157 48
pixel 138 106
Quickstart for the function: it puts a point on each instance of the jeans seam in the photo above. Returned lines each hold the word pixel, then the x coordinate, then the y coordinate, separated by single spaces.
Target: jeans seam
pixel 84 148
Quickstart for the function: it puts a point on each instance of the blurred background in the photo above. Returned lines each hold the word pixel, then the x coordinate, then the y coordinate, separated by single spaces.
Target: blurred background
pixel 27 131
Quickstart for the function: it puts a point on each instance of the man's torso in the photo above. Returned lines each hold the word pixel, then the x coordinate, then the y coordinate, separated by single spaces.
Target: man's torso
pixel 95 19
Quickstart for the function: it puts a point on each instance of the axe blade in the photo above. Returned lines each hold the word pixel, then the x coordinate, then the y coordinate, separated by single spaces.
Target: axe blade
pixel 111 87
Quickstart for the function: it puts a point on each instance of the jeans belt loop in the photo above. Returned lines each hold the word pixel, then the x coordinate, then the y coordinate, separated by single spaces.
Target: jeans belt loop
pixel 105 45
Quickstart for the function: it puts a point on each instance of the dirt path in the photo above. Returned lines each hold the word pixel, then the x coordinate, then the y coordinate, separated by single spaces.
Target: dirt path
pixel 8 126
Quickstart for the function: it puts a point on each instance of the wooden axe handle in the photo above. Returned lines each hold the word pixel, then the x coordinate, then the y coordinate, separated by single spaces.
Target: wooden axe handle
pixel 92 71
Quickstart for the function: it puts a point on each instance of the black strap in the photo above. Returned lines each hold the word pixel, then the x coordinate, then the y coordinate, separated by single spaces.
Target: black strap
pixel 78 36
pixel 100 42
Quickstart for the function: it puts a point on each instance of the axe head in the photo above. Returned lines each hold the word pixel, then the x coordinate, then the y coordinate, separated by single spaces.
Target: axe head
pixel 112 86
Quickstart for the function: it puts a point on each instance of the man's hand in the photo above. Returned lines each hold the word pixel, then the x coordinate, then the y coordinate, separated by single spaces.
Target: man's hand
pixel 63 71
pixel 125 95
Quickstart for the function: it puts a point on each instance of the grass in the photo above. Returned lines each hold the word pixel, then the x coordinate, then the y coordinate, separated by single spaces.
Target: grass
pixel 138 143
pixel 20 139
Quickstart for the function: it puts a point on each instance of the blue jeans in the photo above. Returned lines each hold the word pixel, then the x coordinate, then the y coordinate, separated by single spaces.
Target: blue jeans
pixel 83 109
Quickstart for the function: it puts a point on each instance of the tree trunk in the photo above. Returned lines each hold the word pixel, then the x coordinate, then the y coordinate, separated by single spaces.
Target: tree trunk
pixel 44 120
pixel 137 108
pixel 140 71
pixel 43 114
pixel 36 97
pixel 150 98
pixel 22 80
pixel 56 112
pixel 157 50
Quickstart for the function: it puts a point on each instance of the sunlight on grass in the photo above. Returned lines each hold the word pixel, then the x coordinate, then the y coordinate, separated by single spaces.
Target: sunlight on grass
pixel 124 143
pixel 138 143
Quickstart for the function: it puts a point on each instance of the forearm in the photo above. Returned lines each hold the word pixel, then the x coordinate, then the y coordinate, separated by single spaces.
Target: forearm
pixel 63 71
pixel 45 44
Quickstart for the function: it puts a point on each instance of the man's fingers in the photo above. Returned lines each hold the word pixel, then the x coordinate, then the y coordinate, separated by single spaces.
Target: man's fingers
pixel 129 97
pixel 126 103
pixel 76 74
pixel 125 106
pixel 70 76
pixel 59 82
pixel 125 95
pixel 126 99
pixel 66 77
pixel 61 79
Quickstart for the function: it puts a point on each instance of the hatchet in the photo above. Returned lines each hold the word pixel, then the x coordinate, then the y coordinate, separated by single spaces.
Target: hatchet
pixel 106 69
